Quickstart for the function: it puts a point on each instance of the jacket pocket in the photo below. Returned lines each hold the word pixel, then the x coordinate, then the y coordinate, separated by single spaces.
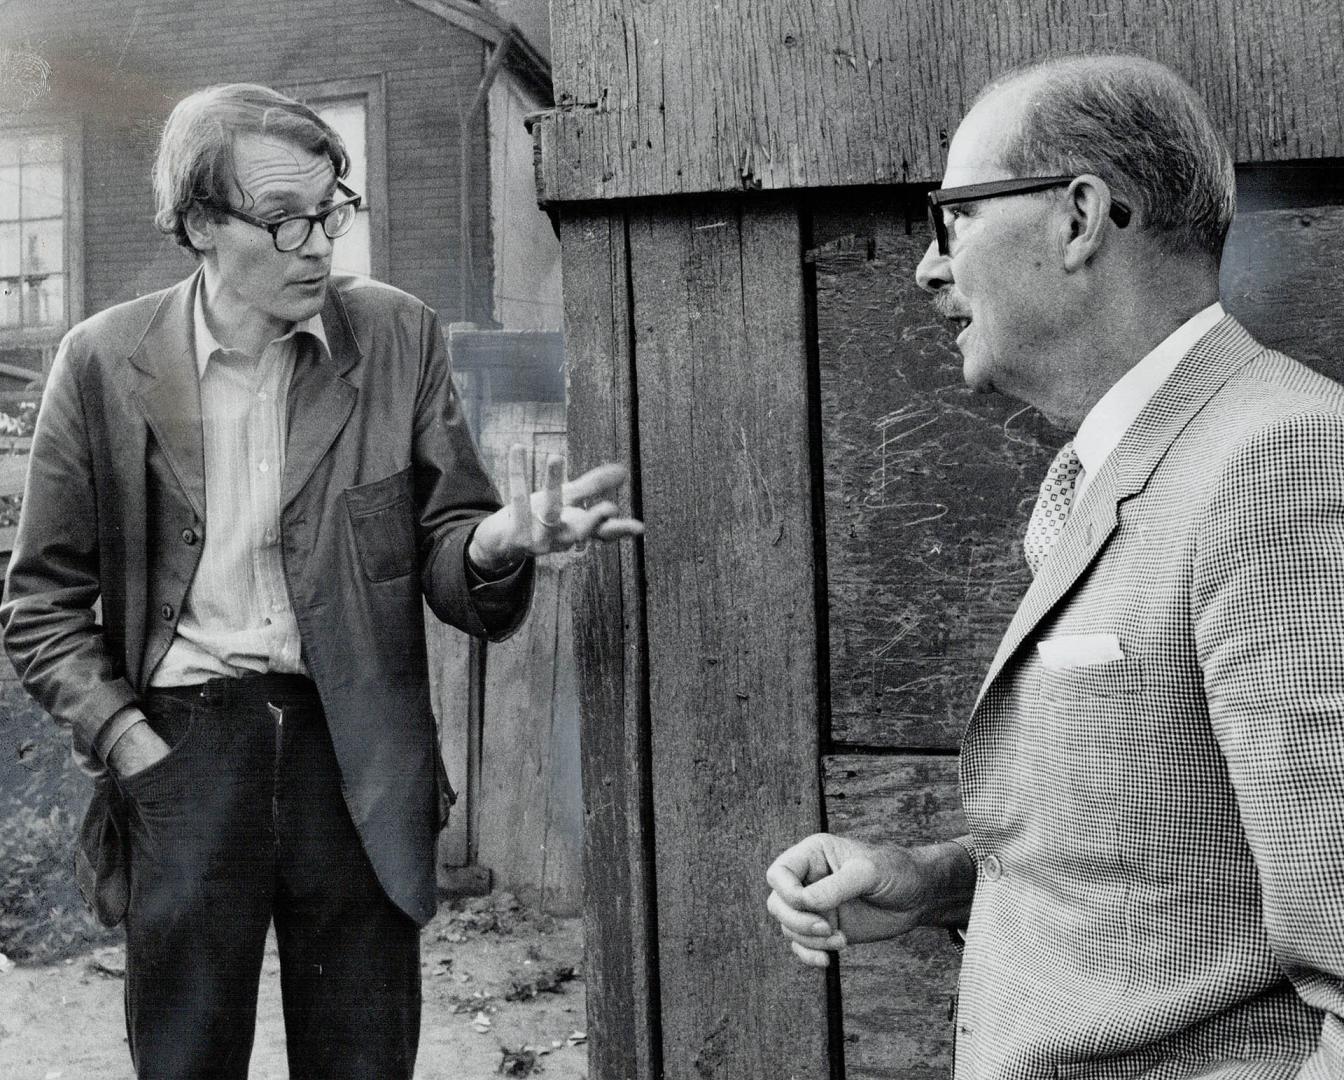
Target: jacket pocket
pixel 382 515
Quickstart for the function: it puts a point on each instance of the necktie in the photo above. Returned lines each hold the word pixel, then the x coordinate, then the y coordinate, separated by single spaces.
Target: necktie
pixel 1052 507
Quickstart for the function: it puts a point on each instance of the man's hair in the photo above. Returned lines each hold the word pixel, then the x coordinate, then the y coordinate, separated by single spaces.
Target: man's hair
pixel 1138 126
pixel 195 165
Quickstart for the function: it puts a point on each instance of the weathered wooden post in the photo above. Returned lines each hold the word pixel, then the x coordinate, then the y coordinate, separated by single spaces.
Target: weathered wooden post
pixel 833 519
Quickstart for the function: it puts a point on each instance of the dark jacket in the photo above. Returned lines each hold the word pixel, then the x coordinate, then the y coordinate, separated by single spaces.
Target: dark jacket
pixel 381 491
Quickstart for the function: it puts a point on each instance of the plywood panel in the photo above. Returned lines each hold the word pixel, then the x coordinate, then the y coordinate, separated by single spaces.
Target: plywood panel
pixel 676 96
pixel 928 490
pixel 619 919
pixel 897 993
pixel 724 473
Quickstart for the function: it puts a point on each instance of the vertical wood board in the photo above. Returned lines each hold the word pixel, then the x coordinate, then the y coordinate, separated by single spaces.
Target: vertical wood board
pixel 449 654
pixel 663 97
pixel 724 472
pixel 619 906
pixel 562 858
pixel 896 994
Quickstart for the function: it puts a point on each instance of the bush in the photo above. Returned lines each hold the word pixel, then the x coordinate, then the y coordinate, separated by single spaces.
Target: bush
pixel 42 916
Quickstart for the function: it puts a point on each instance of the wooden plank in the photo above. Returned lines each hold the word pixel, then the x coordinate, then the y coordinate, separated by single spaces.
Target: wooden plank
pixel 928 489
pixel 897 993
pixel 1283 272
pixel 620 949
pixel 450 688
pixel 726 490
pixel 562 857
pixel 516 747
pixel 663 97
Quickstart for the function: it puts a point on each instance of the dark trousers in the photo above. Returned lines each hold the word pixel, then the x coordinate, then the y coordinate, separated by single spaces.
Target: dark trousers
pixel 244 823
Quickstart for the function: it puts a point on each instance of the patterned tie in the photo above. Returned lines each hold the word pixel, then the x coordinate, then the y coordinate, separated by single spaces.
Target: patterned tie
pixel 1052 507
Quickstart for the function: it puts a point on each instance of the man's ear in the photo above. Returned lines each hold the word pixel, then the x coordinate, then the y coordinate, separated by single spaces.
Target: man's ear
pixel 200 228
pixel 1088 207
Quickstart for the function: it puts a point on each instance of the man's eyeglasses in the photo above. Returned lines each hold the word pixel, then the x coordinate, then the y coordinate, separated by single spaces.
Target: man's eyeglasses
pixel 1120 212
pixel 291 233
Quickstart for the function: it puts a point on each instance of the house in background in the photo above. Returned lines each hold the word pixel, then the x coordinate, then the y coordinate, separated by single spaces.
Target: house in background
pixel 430 97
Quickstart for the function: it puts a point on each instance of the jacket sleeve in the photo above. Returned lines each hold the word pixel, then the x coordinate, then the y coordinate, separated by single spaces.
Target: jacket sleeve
pixel 51 632
pixel 453 494
pixel 1268 599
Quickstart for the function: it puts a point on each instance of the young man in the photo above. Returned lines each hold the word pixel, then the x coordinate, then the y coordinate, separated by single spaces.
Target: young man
pixel 260 473
pixel 1152 774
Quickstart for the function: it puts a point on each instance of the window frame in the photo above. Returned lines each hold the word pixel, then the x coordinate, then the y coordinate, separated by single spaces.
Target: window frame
pixel 71 133
pixel 373 89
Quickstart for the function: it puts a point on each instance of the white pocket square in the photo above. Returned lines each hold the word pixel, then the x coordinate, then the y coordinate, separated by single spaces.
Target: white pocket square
pixel 1079 650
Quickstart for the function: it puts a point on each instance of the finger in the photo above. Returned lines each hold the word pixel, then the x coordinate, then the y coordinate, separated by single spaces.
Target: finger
pixel 619 529
pixel 551 498
pixel 850 882
pixel 583 523
pixel 822 943
pixel 519 497
pixel 602 481
pixel 795 922
pixel 805 861
pixel 811 957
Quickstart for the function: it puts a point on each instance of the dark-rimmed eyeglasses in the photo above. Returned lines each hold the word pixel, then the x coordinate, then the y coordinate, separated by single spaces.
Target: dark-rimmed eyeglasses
pixel 291 233
pixel 995 189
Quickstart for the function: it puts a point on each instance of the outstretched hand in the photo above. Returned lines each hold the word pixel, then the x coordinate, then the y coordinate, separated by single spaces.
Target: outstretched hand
pixel 559 517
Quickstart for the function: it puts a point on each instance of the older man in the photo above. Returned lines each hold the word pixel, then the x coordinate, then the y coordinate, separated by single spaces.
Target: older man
pixel 1153 774
pixel 259 473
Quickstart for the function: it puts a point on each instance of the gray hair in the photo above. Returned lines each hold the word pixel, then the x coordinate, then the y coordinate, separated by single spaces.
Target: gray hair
pixel 1140 127
pixel 195 164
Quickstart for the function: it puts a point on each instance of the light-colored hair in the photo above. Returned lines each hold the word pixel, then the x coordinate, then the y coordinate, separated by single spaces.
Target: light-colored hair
pixel 1140 127
pixel 195 165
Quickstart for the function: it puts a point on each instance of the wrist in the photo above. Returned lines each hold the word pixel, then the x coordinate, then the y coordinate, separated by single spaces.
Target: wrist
pixel 948 873
pixel 121 743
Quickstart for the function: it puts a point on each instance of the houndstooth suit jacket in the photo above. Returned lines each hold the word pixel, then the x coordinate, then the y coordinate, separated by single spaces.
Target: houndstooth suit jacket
pixel 1160 838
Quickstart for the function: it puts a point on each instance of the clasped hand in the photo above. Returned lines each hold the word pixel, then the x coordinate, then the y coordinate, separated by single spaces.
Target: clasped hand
pixel 559 517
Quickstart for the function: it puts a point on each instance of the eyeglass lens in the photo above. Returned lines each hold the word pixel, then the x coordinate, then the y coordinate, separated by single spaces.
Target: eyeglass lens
pixel 293 234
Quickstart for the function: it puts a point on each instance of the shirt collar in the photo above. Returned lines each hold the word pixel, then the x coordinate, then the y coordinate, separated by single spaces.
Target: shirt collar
pixel 206 344
pixel 1105 425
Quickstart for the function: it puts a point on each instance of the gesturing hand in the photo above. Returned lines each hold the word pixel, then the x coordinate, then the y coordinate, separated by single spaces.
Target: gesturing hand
pixel 558 517
pixel 829 892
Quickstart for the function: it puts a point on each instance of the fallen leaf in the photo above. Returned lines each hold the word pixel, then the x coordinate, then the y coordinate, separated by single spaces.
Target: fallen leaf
pixel 481 1023
pixel 577 1038
pixel 520 1062
pixel 6 964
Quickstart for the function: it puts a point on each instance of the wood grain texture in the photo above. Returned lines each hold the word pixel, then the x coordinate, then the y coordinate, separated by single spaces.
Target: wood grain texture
pixel 619 906
pixel 896 993
pixel 562 859
pixel 663 97
pixel 724 473
pixel 449 654
pixel 928 490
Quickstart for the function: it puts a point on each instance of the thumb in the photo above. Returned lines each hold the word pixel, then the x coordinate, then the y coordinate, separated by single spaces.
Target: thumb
pixel 851 881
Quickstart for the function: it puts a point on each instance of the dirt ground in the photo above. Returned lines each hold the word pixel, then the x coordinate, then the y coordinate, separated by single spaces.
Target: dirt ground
pixel 502 996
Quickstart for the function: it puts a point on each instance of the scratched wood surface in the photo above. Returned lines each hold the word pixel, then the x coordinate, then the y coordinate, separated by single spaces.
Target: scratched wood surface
pixel 619 913
pixel 725 487
pixel 928 488
pixel 896 994
pixel 674 96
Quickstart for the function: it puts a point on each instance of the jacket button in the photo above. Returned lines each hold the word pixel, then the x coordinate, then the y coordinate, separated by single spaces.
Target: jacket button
pixel 166 611
pixel 188 536
pixel 993 868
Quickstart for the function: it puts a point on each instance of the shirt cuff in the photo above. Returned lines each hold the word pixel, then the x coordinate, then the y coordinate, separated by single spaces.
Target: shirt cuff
pixel 121 722
pixel 958 933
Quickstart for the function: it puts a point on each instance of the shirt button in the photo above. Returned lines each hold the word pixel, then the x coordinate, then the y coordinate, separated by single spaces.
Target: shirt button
pixel 188 536
pixel 262 395
pixel 269 536
pixel 993 869
pixel 264 466
pixel 166 611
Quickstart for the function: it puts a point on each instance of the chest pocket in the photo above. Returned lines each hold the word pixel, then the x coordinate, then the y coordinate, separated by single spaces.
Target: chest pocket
pixel 382 515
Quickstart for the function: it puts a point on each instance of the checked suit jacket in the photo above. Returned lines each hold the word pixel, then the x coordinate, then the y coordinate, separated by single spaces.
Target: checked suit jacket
pixel 1160 837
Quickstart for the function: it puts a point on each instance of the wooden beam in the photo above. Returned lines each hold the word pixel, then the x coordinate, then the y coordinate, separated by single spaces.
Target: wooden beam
pixel 721 364
pixel 667 97
pixel 620 943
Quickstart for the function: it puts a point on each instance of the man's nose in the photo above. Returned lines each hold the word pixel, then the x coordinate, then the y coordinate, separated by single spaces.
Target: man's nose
pixel 934 271
pixel 318 245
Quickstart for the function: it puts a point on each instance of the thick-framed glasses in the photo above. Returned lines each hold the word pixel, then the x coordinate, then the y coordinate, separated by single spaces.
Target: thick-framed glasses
pixel 291 233
pixel 997 189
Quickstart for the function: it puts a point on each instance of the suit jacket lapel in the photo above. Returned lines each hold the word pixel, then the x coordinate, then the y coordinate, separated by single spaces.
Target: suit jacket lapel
pixel 1204 369
pixel 168 389
pixel 320 398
